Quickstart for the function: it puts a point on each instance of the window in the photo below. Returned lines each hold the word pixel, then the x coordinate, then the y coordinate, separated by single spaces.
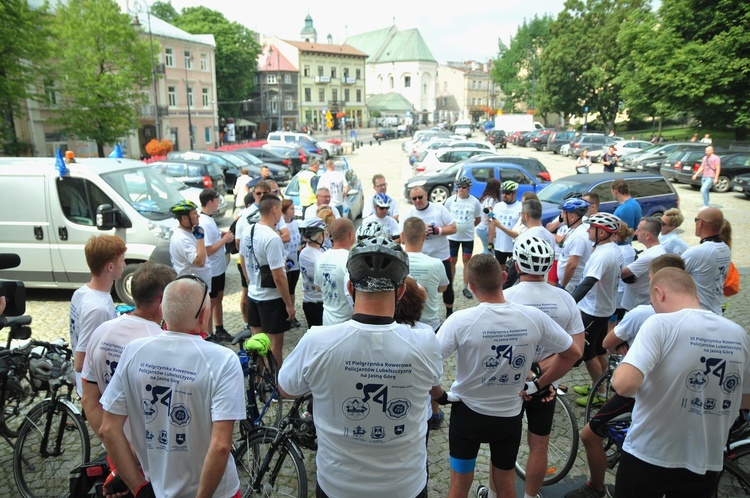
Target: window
pixel 445 101
pixel 204 62
pixel 287 79
pixel 481 174
pixel 424 89
pixel 205 97
pixel 359 95
pixel 172 95
pixel 391 79
pixel 207 133
pixel 346 72
pixel 308 95
pixel 346 95
pixel 322 95
pixel 188 59
pixel 479 101
pixel 169 57
pixel 320 71
pixel 76 203
pixel 473 101
pixel 334 94
pixel 605 191
pixel 479 85
pixel 407 81
pixel 445 85
pixel 271 78
pixel 473 85
pixel 50 92
pixel 515 175
pixel 333 72
pixel 288 103
pixel 306 71
pixel 358 73
pixel 190 96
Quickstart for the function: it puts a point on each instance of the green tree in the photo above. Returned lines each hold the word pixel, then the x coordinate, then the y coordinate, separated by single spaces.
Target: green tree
pixel 101 66
pixel 236 54
pixel 24 50
pixel 165 11
pixel 517 68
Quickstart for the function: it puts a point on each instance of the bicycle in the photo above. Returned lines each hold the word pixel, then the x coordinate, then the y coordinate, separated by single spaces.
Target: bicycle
pixel 270 460
pixel 53 438
pixel 260 371
pixel 15 397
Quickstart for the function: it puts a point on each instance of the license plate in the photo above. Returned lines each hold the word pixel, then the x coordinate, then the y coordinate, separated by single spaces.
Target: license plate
pixel 738 189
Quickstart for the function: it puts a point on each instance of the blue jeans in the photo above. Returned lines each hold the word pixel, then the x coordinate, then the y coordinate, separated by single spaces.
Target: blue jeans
pixel 484 237
pixel 706 184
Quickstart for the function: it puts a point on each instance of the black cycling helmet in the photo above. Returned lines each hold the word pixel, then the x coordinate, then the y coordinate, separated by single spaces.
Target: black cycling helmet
pixel 377 265
pixel 573 195
pixel 182 208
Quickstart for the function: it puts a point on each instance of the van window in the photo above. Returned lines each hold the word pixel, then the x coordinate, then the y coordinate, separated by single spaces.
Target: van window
pixel 605 191
pixel 515 175
pixel 79 199
pixel 648 187
pixel 482 174
pixel 175 170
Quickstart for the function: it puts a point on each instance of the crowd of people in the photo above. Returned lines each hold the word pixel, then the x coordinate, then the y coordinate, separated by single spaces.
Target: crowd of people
pixel 163 391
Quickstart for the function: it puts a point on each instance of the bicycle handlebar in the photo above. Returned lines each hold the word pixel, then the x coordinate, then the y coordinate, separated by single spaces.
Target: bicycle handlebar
pixel 14 321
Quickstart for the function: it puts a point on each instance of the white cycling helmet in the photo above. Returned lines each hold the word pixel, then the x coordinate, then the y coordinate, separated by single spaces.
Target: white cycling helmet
pixel 533 255
pixel 606 221
pixel 382 201
pixel 311 227
pixel 371 229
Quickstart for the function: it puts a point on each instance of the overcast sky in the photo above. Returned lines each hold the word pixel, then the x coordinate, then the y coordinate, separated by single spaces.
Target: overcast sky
pixel 452 30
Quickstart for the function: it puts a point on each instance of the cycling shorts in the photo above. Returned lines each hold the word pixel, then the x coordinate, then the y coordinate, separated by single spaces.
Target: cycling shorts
pixel 539 415
pixel 615 407
pixel 467 247
pixel 270 316
pixel 218 283
pixel 595 328
pixel 502 257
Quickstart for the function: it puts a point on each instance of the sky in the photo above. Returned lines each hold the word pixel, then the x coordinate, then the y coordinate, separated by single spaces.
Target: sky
pixel 452 33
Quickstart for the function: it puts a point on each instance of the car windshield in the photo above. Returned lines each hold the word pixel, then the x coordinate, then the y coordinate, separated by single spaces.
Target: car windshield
pixel 147 190
pixel 235 160
pixel 556 191
pixel 250 158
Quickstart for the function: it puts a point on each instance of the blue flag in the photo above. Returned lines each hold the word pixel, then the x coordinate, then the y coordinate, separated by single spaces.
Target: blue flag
pixel 117 153
pixel 60 164
pixel 346 163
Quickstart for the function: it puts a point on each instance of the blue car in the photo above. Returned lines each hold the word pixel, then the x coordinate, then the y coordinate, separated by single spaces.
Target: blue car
pixel 353 202
pixel 653 192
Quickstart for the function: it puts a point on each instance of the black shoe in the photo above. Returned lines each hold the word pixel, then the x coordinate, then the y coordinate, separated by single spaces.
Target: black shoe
pixel 295 324
pixel 467 293
pixel 222 335
pixel 436 421
pixel 212 338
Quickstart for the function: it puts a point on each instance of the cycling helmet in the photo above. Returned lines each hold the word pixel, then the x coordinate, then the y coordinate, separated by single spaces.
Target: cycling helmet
pixel 509 186
pixel 371 229
pixel 377 265
pixel 465 181
pixel 312 227
pixel 46 365
pixel 533 255
pixel 574 205
pixel 607 222
pixel 382 201
pixel 573 195
pixel 182 208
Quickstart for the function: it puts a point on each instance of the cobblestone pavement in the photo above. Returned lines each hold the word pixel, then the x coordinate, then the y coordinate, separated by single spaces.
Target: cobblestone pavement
pixel 49 308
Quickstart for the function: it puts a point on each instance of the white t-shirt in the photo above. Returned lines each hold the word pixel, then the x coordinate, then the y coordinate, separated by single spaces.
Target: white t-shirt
pixel 429 272
pixel 183 249
pixel 540 233
pixel 435 245
pixel 312 212
pixel 627 253
pixel 556 303
pixel 368 427
pixel 291 248
pixel 335 182
pixel 696 368
pixel 507 215
pixel 390 224
pixel 496 344
pixel 307 258
pixel 330 273
pixel 89 308
pixel 605 266
pixel 576 243
pixel 173 387
pixel 244 225
pixel 637 292
pixel 217 261
pixel 631 323
pixel 489 203
pixel 368 208
pixel 464 211
pixel 240 190
pixel 268 250
pixel 708 264
pixel 673 244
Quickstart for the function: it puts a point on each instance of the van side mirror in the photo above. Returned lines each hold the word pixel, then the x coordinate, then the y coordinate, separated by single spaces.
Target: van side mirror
pixel 108 217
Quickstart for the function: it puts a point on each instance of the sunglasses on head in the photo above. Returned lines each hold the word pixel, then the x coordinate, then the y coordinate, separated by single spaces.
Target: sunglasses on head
pixel 417 198
pixel 203 283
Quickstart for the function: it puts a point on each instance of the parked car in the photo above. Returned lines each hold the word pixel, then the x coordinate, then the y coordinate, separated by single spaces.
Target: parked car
pixel 498 138
pixel 290 138
pixel 328 149
pixel 271 156
pixel 654 193
pixel 674 162
pixel 515 136
pixel 732 164
pixel 433 160
pixel 588 141
pixel 298 156
pixel 439 184
pixel 655 153
pixel 525 137
pixel 557 139
pixel 433 144
pixel 469 144
pixel 229 164
pixel 280 173
pixel 194 194
pixel 741 184
pixel 384 134
pixel 197 174
pixel 620 149
pixel 539 140
pixel 353 202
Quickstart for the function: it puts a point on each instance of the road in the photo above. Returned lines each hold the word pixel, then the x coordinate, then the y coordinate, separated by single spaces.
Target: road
pixel 49 308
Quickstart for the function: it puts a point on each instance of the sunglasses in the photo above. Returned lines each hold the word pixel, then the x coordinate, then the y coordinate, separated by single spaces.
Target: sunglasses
pixel 417 198
pixel 508 192
pixel 259 193
pixel 698 219
pixel 381 207
pixel 381 185
pixel 205 288
pixel 462 186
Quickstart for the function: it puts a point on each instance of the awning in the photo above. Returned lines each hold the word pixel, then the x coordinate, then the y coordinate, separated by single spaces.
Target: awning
pixel 244 122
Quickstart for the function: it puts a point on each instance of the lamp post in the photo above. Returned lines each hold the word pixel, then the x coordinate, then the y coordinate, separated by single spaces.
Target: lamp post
pixel 136 7
pixel 278 83
pixel 187 95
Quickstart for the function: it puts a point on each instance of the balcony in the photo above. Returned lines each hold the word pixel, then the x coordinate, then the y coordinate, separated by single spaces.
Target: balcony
pixel 323 79
pixel 150 110
pixel 348 81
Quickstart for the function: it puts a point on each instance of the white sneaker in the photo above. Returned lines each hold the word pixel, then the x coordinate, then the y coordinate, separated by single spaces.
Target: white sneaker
pixel 482 491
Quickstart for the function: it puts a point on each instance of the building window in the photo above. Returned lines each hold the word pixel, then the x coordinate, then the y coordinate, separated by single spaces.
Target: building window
pixel 172 95
pixel 320 71
pixel 190 96
pixel 445 102
pixel 204 62
pixel 473 85
pixel 288 103
pixel 274 104
pixel 188 59
pixel 346 72
pixel 407 81
pixel 50 92
pixel 391 78
pixel 205 97
pixel 287 79
pixel 346 95
pixel 321 95
pixel 445 85
pixel 473 101
pixel 479 101
pixel 358 73
pixel 359 95
pixel 306 71
pixel 334 94
pixel 424 89
pixel 207 132
pixel 271 78
pixel 169 57
pixel 308 94
pixel 333 72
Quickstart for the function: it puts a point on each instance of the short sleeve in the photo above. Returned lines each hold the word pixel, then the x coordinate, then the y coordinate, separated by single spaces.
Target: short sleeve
pixel 228 401
pixel 291 376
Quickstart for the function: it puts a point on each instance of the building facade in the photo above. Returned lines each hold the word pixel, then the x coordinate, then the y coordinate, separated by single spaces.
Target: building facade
pixel 465 90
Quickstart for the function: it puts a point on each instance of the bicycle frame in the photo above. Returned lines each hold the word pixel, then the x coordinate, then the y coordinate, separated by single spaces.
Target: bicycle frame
pixel 249 371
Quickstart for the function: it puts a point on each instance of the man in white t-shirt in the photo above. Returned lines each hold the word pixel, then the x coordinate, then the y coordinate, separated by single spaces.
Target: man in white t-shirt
pixel 505 213
pixel 533 258
pixel 596 295
pixel 313 233
pixel 635 275
pixel 371 431
pixel 683 384
pixel 439 224
pixel 531 218
pixel 467 211
pixel 330 273
pixel 668 238
pixel 495 343
pixel 270 306
pixel 322 198
pixel 380 186
pixel 708 262
pixel 180 396
pixel 335 182
pixel 187 247
pixel 575 245
pixel 382 204
pixel 215 242
pixel 91 305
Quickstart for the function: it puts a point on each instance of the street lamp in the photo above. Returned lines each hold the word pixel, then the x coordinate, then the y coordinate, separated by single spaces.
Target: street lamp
pixel 278 83
pixel 136 7
pixel 187 93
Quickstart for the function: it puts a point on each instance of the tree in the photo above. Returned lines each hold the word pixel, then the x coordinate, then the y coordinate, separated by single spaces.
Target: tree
pixel 24 50
pixel 517 68
pixel 165 11
pixel 101 66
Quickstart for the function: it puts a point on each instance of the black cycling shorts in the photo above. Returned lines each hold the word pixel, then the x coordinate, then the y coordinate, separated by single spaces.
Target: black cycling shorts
pixel 243 280
pixel 270 316
pixel 217 285
pixel 616 406
pixel 502 257
pixel 467 247
pixel 595 328
pixel 539 415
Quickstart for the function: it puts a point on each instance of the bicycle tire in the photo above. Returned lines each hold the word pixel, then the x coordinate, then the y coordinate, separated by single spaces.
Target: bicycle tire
pixel 610 447
pixel 734 480
pixel 286 476
pixel 13 406
pixel 266 389
pixel 37 476
pixel 563 444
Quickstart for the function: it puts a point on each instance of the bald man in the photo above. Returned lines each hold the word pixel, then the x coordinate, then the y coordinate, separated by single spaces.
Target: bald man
pixel 683 384
pixel 708 262
pixel 330 273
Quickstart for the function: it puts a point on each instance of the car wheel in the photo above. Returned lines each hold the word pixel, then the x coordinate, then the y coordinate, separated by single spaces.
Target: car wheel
pixel 557 150
pixel 723 185
pixel 325 155
pixel 657 214
pixel 123 285
pixel 747 194
pixel 544 147
pixel 695 187
pixel 439 194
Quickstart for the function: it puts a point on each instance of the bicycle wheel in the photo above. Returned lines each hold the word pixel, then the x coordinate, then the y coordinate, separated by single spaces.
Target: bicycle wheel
pixel 603 383
pixel 267 397
pixel 734 480
pixel 16 401
pixel 40 475
pixel 563 444
pixel 286 474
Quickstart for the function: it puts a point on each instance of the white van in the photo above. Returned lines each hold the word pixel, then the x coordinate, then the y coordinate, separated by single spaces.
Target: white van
pixel 463 128
pixel 47 218
pixel 325 149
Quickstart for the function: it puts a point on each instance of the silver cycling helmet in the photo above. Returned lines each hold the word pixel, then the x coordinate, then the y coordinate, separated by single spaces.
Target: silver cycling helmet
pixel 311 227
pixel 371 229
pixel 377 265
